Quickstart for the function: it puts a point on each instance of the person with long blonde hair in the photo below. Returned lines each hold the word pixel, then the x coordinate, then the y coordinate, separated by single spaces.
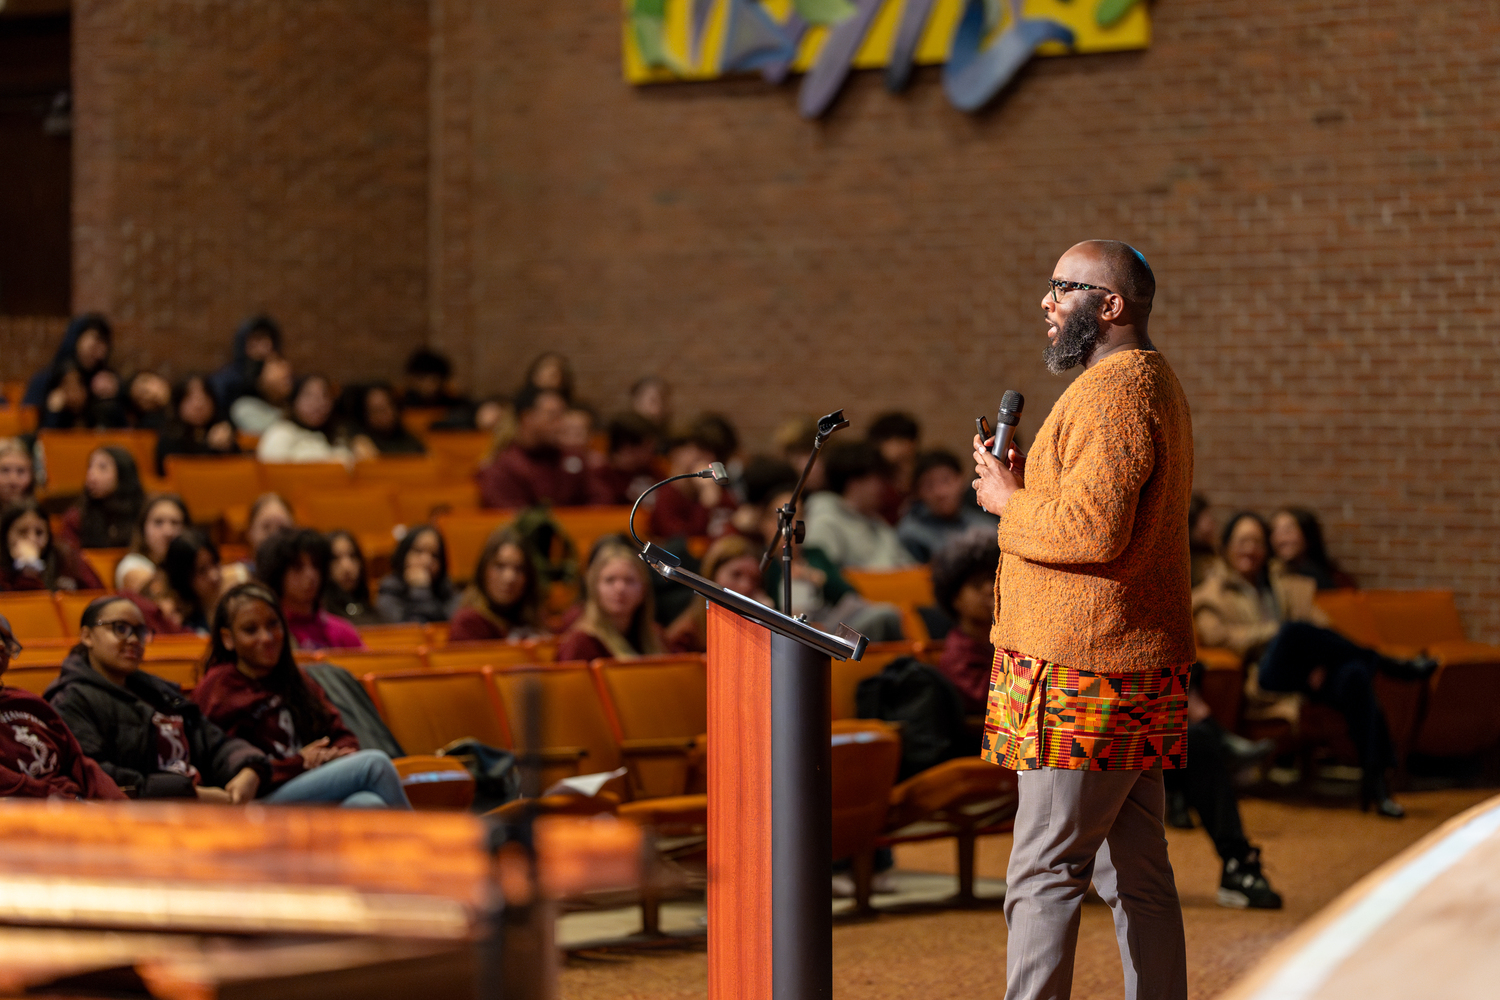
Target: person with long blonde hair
pixel 619 613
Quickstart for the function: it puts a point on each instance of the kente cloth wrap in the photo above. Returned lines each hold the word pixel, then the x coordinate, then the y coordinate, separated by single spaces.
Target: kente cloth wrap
pixel 1042 714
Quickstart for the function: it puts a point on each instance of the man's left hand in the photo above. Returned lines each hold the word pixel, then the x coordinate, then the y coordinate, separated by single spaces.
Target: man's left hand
pixel 996 482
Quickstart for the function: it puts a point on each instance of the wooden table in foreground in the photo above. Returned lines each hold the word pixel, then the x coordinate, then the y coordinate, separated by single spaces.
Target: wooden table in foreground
pixel 190 902
pixel 1425 924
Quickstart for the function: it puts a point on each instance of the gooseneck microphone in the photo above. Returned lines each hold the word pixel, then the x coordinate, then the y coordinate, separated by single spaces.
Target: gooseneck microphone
pixel 1006 421
pixel 715 471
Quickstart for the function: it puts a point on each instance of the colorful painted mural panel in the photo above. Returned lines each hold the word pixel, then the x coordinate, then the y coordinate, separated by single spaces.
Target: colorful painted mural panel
pixel 980 43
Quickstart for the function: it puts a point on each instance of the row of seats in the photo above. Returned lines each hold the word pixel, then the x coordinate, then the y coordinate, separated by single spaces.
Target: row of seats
pixel 1442 717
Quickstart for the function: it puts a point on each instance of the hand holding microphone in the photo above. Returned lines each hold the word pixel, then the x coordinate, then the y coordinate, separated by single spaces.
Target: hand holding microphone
pixel 999 466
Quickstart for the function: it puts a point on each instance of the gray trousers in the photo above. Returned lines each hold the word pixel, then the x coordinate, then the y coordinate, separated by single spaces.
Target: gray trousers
pixel 1106 826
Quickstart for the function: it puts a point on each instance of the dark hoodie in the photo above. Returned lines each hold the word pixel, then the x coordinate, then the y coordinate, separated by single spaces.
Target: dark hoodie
pixel 237 378
pixel 45 380
pixel 125 729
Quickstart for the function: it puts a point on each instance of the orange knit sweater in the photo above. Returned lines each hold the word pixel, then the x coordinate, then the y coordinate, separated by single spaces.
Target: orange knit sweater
pixel 1095 573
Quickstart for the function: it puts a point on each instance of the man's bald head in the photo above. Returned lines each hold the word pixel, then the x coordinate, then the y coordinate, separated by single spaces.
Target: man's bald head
pixel 1126 271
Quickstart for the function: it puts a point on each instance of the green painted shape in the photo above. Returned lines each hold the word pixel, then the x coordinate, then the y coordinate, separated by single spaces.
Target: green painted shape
pixel 824 11
pixel 1109 12
pixel 650 8
pixel 651 40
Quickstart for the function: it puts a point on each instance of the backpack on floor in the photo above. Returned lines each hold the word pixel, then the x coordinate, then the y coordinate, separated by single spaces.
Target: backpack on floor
pixel 927 705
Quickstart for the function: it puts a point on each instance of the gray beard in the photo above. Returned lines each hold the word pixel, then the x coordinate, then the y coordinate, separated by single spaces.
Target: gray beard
pixel 1079 336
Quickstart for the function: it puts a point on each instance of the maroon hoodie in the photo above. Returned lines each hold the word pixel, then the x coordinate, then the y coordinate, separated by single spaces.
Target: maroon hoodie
pixel 39 756
pixel 245 709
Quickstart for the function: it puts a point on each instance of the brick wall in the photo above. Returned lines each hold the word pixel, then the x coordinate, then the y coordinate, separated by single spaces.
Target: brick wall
pixel 1313 181
pixel 234 157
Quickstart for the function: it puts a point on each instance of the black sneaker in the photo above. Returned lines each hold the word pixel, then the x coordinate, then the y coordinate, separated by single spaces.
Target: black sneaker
pixel 1243 886
pixel 1177 811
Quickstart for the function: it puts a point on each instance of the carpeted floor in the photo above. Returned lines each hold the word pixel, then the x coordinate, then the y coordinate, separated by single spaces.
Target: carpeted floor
pixel 1312 853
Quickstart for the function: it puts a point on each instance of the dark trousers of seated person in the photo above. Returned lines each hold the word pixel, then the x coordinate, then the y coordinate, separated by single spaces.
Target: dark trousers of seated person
pixel 1348 687
pixel 1208 786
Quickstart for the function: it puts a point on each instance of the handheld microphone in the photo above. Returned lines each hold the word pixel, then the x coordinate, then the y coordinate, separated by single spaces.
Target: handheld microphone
pixel 1006 421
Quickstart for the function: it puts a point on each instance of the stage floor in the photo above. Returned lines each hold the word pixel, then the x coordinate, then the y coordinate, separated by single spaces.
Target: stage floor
pixel 1312 853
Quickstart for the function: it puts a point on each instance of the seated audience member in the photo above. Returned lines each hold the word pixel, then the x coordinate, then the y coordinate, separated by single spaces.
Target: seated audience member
pixel 105 516
pixel 619 612
pixel 575 433
pixel 148 401
pixel 845 520
pixel 254 691
pixel 1207 785
pixel 34 560
pixel 140 729
pixel 347 591
pixel 651 398
pixel 1297 540
pixel 690 507
pixel 819 590
pixel 429 382
pixel 896 436
pixel 794 443
pixel 963 581
pixel 733 562
pixel 294 564
pixel 417 589
pixel 162 519
pixel 942 508
pixel 256 341
pixel 378 418
pixel 78 389
pixel 1203 536
pixel 192 571
pixel 503 599
pixel 254 412
pixel 1253 606
pixel 310 432
pixel 17 471
pixel 532 469
pixel 762 476
pixel 550 372
pixel 39 756
pixel 195 427
pixel 630 468
pixel 270 515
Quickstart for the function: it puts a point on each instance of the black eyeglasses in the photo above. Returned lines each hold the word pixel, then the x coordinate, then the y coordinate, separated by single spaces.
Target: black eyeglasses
pixel 1073 286
pixel 124 630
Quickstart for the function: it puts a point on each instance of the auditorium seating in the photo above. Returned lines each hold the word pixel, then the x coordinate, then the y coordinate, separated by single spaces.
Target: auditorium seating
pixel 407 636
pixel 573 719
pixel 210 486
pixel 464 534
pixel 66 455
pixel 460 655
pixel 864 756
pixel 33 614
pixel 657 707
pixel 360 662
pixel 427 710
pixel 908 588
pixel 845 675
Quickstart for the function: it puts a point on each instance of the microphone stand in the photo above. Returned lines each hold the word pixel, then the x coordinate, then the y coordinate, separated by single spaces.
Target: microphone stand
pixel 789 530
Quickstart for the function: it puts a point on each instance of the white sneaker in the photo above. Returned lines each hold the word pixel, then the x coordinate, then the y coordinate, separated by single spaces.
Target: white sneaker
pixel 884 883
pixel 843 886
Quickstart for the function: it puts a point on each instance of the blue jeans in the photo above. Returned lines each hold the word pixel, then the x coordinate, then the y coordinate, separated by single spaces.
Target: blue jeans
pixel 363 780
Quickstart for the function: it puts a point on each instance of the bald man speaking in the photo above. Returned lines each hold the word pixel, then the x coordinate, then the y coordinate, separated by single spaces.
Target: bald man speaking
pixel 1093 634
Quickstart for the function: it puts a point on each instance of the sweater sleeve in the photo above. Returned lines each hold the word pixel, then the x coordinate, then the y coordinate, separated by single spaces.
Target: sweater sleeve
pixel 14 784
pixel 1107 457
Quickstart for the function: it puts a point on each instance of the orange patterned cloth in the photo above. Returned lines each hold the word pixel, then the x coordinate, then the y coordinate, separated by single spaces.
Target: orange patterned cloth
pixel 1041 714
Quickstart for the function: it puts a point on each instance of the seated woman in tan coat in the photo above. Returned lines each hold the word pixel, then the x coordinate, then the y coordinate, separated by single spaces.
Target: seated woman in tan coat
pixel 1252 605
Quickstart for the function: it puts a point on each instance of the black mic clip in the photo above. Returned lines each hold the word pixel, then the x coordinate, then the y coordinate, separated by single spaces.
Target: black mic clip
pixel 655 555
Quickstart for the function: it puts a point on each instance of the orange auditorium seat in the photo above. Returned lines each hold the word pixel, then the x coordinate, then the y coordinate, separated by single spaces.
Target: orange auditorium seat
pixel 461 451
pixel 574 734
pixel 911 586
pixel 70 603
pixel 212 485
pixel 33 614
pixel 363 510
pixel 469 655
pixel 1350 616
pixel 657 707
pixel 32 679
pixel 863 760
pixel 464 535
pixel 405 637
pixel 429 709
pixel 183 646
pixel 183 673
pixel 104 562
pixel 417 419
pixel 586 525
pixel 294 479
pixel 401 470
pixel 38 653
pixel 424 503
pixel 1460 719
pixel 1414 619
pixel 375 661
pixel 66 454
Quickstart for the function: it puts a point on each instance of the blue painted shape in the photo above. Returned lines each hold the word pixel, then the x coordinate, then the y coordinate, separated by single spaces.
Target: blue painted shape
pixel 826 78
pixel 974 76
pixel 752 39
pixel 701 10
pixel 794 27
pixel 908 36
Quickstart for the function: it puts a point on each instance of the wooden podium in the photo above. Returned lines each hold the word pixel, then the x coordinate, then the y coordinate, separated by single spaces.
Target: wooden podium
pixel 770 921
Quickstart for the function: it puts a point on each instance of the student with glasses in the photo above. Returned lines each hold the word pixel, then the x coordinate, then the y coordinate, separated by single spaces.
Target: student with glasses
pixel 140 729
pixel 39 757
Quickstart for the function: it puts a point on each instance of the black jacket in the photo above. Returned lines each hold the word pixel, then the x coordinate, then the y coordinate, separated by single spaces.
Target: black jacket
pixel 113 726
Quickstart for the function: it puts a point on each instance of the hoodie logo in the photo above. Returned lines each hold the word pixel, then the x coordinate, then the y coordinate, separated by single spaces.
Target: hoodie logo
pixel 44 758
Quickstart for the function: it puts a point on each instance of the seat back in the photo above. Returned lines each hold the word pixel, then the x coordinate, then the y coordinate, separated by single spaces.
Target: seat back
pixel 864 756
pixel 655 697
pixel 376 661
pixel 34 679
pixel 104 562
pixel 1415 618
pixel 67 454
pixel 910 586
pixel 422 503
pixel 405 637
pixel 293 480
pixel 33 615
pixel 400 471
pixel 363 510
pixel 1349 614
pixel 47 653
pixel 210 485
pixel 844 675
pixel 178 647
pixel 572 715
pixel 183 673
pixel 460 451
pixel 427 710
pixel 70 605
pixel 470 655
pixel 464 534
pixel 586 525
